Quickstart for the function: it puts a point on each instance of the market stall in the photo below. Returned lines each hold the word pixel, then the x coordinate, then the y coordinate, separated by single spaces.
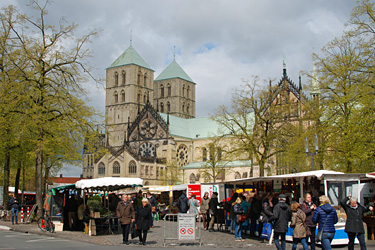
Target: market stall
pixel 335 185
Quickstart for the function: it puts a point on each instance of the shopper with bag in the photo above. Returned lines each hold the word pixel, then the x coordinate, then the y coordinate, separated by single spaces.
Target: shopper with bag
pixel 308 207
pixel 281 216
pixel 354 222
pixel 153 203
pixel 300 229
pixel 193 205
pixel 143 219
pixel 126 213
pixel 326 216
pixel 238 219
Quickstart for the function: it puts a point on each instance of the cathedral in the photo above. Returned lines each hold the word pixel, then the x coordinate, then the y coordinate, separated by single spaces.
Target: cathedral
pixel 150 126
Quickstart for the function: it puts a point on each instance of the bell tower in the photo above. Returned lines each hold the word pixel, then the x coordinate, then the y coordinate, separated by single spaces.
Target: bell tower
pixel 129 85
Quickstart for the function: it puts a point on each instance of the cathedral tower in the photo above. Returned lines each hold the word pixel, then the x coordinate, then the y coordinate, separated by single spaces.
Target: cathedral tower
pixel 174 92
pixel 129 85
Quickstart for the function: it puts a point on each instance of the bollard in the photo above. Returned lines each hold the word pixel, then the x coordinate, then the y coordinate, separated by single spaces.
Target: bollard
pixel 22 214
pixel 28 212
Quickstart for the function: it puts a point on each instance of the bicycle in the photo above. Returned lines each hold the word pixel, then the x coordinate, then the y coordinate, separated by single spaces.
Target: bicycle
pixel 45 223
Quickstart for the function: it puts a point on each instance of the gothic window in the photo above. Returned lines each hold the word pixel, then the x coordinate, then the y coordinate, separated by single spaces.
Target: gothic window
pixel 116 168
pixel 146 170
pixel 204 154
pixel 101 169
pixel 182 155
pixel 188 91
pixel 168 107
pixel 183 108
pixel 139 78
pixel 244 175
pixel 237 175
pixel 116 78
pixel 183 90
pixel 123 74
pixel 157 173
pixel 116 96
pixel 188 108
pixel 162 107
pixel 123 95
pixel 144 98
pixel 192 178
pixel 132 167
pixel 139 97
pixel 169 89
pixel 148 150
pixel 145 79
pixel 161 90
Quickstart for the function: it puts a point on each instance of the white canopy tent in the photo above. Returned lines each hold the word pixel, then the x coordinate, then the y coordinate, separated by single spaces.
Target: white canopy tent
pixel 109 183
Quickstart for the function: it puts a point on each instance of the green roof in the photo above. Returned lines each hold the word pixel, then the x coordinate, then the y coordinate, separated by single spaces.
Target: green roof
pixel 130 56
pixel 173 71
pixel 239 163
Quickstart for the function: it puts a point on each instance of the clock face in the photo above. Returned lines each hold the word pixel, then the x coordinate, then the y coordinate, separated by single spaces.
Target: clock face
pixel 148 129
pixel 148 150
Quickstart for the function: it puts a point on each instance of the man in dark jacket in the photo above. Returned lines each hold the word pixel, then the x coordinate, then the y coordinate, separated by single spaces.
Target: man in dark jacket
pixel 214 202
pixel 183 203
pixel 153 204
pixel 354 223
pixel 281 216
pixel 126 213
pixel 15 207
pixel 308 207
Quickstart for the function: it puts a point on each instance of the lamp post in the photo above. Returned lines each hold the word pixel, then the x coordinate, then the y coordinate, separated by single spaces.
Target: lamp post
pixel 311 153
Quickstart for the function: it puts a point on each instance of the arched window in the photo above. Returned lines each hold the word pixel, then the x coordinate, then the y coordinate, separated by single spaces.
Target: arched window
pixel 161 90
pixel 219 153
pixel 116 168
pixel 116 96
pixel 139 78
pixel 244 175
pixel 188 91
pixel 132 167
pixel 168 107
pixel 169 89
pixel 204 154
pixel 192 178
pixel 145 79
pixel 101 169
pixel 116 78
pixel 183 108
pixel 188 108
pixel 183 90
pixel 139 97
pixel 237 175
pixel 162 107
pixel 123 95
pixel 144 98
pixel 123 74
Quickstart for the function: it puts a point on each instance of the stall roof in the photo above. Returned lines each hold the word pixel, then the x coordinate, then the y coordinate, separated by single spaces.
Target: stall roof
pixel 109 183
pixel 180 187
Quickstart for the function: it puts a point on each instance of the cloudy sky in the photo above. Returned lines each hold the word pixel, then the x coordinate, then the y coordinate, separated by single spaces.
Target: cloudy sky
pixel 218 43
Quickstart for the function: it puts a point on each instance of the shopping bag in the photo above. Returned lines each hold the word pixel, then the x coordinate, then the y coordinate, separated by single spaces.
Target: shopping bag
pixel 133 230
pixel 267 231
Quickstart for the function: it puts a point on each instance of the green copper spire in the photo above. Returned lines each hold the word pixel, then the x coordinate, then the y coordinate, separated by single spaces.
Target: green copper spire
pixel 173 71
pixel 130 56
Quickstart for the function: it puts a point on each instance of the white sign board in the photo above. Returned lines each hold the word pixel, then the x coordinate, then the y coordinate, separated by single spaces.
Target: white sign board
pixel 186 226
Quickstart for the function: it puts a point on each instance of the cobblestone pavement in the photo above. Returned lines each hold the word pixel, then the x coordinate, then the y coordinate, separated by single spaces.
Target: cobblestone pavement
pixel 154 238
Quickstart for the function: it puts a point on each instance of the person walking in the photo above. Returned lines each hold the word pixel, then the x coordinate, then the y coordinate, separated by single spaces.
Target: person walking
pixel 214 202
pixel 143 221
pixel 183 203
pixel 308 207
pixel 193 205
pixel 326 216
pixel 15 207
pixel 281 216
pixel 255 210
pixel 204 208
pixel 299 226
pixel 354 221
pixel 126 213
pixel 153 204
pixel 231 212
pixel 238 211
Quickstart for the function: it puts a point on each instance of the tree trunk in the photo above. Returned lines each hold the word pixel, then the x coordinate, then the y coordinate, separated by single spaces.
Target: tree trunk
pixel 17 182
pixel 39 177
pixel 6 176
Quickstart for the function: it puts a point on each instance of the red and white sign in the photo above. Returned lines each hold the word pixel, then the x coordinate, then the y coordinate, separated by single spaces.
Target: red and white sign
pixel 186 226
pixel 194 189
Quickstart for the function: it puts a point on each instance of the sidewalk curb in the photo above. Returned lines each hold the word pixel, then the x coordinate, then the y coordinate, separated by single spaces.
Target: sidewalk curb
pixel 5 228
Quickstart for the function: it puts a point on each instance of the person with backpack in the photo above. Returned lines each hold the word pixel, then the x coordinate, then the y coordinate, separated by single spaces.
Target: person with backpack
pixel 183 203
pixel 193 205
pixel 326 216
pixel 281 216
pixel 354 221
